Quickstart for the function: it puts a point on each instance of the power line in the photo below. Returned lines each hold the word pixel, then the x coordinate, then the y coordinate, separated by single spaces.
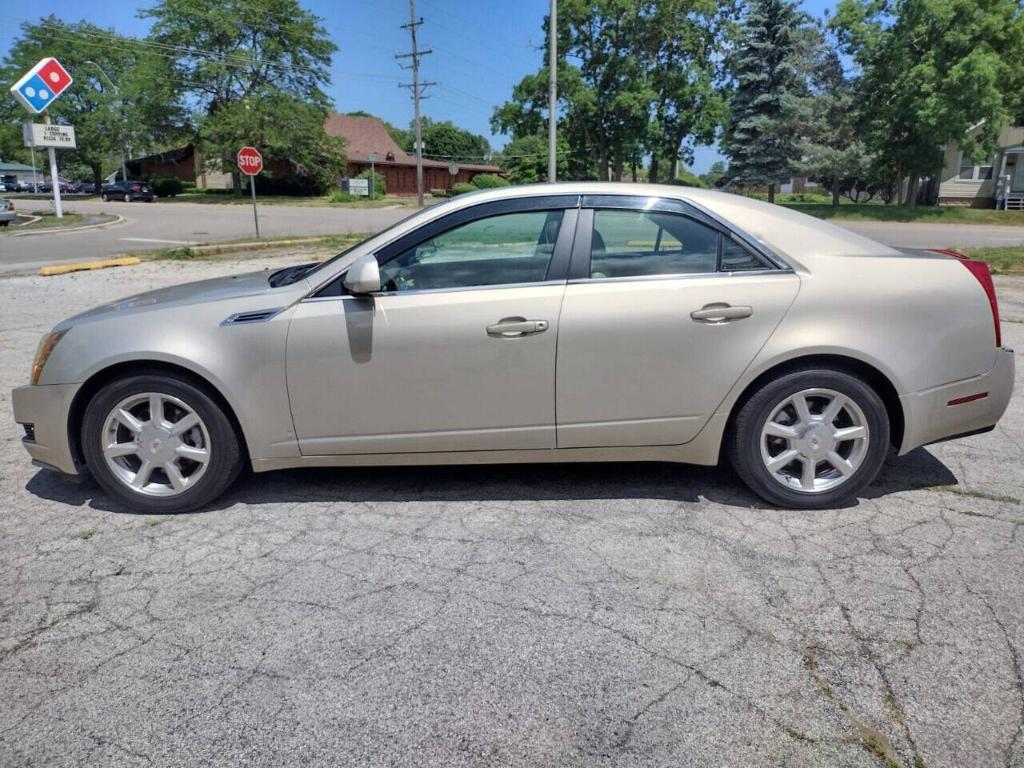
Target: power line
pixel 417 88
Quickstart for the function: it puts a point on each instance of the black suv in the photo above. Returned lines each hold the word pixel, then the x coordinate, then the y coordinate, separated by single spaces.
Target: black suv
pixel 128 191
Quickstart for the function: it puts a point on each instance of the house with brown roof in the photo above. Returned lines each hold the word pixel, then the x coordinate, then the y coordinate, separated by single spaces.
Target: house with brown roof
pixel 363 136
pixel 367 135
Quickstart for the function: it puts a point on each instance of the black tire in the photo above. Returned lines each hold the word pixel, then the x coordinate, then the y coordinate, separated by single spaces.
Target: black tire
pixel 127 197
pixel 105 197
pixel 744 445
pixel 226 459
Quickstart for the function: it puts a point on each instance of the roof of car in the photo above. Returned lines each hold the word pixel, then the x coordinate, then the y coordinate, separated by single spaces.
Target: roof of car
pixel 782 229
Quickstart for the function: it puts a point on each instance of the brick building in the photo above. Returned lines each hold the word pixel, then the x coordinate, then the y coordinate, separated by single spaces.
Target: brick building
pixel 367 135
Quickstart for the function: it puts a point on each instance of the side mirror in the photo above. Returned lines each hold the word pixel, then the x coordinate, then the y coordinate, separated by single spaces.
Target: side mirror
pixel 363 276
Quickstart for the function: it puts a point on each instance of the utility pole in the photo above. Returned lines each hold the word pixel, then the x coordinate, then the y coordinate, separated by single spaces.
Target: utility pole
pixel 552 90
pixel 417 92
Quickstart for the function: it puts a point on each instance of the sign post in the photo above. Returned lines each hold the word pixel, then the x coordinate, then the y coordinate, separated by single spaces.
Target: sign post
pixel 373 158
pixel 250 162
pixel 36 90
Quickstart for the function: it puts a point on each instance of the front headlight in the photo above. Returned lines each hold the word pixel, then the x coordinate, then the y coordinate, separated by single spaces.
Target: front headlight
pixel 43 353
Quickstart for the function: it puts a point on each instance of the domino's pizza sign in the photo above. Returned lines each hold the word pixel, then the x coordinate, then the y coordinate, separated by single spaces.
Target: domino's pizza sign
pixel 41 85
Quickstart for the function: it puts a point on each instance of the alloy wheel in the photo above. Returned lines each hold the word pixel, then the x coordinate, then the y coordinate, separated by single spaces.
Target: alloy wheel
pixel 155 444
pixel 814 440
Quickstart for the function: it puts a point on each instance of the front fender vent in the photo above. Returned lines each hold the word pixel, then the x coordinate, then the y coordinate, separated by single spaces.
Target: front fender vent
pixel 255 316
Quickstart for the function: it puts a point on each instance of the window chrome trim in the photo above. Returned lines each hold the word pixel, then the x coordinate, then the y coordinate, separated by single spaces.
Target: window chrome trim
pixel 766 272
pixel 414 292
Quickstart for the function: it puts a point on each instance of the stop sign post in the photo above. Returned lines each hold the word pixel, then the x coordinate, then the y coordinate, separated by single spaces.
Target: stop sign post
pixel 250 162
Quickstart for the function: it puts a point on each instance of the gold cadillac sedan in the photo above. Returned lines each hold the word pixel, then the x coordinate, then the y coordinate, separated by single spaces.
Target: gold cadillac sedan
pixel 568 322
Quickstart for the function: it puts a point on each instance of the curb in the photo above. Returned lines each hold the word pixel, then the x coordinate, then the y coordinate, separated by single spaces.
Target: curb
pixel 255 245
pixel 31 219
pixel 58 230
pixel 62 269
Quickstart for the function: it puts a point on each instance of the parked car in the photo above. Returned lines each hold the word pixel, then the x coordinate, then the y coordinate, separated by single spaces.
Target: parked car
pixel 128 191
pixel 85 187
pixel 7 214
pixel 572 322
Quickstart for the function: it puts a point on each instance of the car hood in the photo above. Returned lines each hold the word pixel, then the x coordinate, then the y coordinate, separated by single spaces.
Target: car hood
pixel 203 292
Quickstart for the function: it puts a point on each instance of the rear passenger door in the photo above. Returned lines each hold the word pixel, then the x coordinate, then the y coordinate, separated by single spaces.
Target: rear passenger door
pixel 663 311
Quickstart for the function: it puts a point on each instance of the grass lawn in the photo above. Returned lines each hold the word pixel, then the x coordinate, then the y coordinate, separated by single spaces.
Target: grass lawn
pixel 930 214
pixel 1002 261
pixel 209 198
pixel 319 247
pixel 49 220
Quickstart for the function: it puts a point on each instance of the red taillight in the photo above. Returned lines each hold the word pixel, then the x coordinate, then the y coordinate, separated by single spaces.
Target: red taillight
pixel 135 187
pixel 981 271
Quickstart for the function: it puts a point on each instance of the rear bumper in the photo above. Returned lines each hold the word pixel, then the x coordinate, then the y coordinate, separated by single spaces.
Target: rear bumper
pixel 929 417
pixel 46 409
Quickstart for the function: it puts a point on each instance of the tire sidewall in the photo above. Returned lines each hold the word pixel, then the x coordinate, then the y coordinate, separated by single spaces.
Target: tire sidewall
pixel 225 459
pixel 746 448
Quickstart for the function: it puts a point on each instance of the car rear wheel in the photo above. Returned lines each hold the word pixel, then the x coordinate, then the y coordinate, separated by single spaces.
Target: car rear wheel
pixel 105 197
pixel 127 197
pixel 810 439
pixel 160 444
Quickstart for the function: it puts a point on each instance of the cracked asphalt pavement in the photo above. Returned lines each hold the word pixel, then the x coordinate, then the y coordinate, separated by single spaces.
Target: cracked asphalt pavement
pixel 578 615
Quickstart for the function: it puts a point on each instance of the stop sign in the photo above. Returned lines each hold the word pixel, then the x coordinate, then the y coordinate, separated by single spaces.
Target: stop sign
pixel 250 161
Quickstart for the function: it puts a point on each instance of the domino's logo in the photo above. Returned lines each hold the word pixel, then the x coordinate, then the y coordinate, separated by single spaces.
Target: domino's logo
pixel 41 85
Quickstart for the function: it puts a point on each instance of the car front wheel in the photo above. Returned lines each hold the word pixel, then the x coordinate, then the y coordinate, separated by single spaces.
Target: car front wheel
pixel 810 439
pixel 105 197
pixel 160 444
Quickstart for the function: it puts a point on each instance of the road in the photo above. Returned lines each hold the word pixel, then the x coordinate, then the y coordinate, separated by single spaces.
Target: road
pixel 150 226
pixel 162 225
pixel 585 615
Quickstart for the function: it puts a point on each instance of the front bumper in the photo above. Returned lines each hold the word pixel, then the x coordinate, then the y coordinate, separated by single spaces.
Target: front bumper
pixel 929 418
pixel 46 408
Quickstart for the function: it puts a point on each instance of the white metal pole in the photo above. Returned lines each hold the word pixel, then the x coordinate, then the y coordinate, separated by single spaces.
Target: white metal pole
pixel 552 91
pixel 57 207
pixel 35 178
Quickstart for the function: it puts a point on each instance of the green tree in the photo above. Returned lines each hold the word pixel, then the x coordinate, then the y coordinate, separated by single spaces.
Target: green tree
pixel 678 44
pixel 831 152
pixel 526 158
pixel 933 69
pixel 239 58
pixel 446 141
pixel 138 110
pixel 760 137
pixel 714 174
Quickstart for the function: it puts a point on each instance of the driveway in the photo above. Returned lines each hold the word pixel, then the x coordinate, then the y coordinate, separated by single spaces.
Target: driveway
pixel 167 225
pixel 613 615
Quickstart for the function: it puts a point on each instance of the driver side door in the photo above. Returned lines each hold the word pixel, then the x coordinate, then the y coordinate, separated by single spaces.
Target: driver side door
pixel 455 353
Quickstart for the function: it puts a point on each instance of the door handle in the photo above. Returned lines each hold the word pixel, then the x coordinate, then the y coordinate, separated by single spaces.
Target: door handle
pixel 514 327
pixel 720 312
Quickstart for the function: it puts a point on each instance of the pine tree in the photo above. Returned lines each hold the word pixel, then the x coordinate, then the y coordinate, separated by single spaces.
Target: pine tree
pixel 760 137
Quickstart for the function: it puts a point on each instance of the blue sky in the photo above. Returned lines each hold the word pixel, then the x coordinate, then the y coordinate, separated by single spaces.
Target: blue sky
pixel 481 49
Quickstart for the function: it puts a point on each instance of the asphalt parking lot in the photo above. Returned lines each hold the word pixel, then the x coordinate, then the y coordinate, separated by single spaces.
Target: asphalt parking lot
pixel 612 615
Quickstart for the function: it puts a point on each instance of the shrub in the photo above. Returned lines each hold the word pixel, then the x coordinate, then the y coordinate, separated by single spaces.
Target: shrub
pixel 488 181
pixel 380 187
pixel 462 187
pixel 687 179
pixel 337 196
pixel 166 186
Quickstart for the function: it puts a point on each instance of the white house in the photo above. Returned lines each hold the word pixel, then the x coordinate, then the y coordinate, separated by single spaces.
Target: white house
pixel 989 182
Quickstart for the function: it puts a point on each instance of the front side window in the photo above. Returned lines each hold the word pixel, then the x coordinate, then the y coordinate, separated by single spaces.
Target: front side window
pixel 628 243
pixel 498 250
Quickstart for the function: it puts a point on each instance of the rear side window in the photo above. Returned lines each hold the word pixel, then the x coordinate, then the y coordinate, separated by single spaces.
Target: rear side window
pixel 628 243
pixel 736 258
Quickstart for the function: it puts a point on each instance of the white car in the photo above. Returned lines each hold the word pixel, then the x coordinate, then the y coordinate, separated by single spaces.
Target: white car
pixel 7 213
